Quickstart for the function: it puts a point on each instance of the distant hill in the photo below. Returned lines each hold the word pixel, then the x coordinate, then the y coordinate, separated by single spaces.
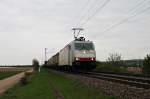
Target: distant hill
pixel 128 63
pixel 134 62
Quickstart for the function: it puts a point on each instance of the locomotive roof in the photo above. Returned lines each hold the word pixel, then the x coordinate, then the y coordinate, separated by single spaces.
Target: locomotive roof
pixel 82 41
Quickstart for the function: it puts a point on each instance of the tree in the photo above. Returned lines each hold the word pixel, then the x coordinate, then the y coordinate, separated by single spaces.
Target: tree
pixel 146 64
pixel 115 59
pixel 35 64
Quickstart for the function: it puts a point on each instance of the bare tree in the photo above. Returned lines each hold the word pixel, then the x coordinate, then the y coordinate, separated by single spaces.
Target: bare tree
pixel 115 59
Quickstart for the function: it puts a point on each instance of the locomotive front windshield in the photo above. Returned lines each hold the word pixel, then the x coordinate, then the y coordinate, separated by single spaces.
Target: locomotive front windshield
pixel 84 46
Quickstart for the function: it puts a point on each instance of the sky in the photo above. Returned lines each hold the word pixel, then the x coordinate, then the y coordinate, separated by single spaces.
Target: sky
pixel 115 26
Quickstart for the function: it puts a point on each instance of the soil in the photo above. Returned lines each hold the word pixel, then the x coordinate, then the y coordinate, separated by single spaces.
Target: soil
pixel 9 82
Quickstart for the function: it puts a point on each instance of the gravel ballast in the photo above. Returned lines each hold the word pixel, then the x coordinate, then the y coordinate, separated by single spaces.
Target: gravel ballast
pixel 120 91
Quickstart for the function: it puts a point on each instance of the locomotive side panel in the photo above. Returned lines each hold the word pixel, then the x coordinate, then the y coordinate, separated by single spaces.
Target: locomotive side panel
pixel 71 53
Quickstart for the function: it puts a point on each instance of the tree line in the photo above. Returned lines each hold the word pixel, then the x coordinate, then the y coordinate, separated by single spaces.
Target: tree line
pixel 116 63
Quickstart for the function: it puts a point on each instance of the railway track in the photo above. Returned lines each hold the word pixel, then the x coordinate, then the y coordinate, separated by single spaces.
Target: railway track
pixel 134 81
pixel 139 82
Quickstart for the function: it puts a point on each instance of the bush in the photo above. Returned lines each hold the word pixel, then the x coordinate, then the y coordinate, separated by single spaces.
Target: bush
pixel 24 80
pixel 146 64
pixel 35 64
pixel 105 67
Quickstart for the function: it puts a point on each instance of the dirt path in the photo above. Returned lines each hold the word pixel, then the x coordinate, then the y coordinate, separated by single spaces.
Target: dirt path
pixel 58 94
pixel 7 83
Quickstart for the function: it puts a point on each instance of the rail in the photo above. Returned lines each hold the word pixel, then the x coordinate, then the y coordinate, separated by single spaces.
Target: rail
pixel 139 82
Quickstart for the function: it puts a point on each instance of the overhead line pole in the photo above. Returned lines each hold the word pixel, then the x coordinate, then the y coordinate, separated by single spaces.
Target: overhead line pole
pixel 45 56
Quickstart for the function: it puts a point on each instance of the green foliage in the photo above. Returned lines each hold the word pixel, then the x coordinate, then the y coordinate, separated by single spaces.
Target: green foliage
pixel 6 74
pixel 106 67
pixel 35 64
pixel 146 64
pixel 44 84
pixel 112 64
pixel 74 89
pixel 38 88
pixel 25 80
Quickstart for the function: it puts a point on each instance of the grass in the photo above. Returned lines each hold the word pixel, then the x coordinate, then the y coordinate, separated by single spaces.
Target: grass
pixel 6 74
pixel 72 89
pixel 42 85
pixel 37 88
pixel 110 68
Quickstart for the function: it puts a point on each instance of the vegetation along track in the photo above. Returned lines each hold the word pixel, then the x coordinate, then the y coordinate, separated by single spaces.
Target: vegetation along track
pixel 139 82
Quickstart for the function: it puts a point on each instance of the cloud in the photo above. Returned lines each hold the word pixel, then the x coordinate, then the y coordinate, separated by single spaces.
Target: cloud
pixel 29 26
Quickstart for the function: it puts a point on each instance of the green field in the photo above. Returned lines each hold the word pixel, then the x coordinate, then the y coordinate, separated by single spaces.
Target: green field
pixel 6 74
pixel 47 85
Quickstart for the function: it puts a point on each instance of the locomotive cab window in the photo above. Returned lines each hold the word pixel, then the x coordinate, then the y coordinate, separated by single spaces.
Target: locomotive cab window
pixel 84 46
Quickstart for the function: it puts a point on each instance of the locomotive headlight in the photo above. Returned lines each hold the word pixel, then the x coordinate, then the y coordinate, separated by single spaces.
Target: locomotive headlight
pixel 77 58
pixel 93 59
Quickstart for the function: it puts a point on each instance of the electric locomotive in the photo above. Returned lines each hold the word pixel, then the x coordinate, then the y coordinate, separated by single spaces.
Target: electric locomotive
pixel 77 55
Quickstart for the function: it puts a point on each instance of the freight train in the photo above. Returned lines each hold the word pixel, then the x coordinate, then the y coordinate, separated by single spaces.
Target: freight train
pixel 77 55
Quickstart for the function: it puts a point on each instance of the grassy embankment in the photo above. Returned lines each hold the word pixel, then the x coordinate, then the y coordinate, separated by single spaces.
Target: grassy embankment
pixel 46 85
pixel 102 66
pixel 6 74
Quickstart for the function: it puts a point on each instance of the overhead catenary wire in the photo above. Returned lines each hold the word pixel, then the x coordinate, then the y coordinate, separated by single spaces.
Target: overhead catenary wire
pixel 135 9
pixel 83 9
pixel 137 5
pixel 79 16
pixel 89 7
pixel 96 11
pixel 126 19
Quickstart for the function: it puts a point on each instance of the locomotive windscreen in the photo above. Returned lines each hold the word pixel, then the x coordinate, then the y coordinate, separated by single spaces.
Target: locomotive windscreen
pixel 84 46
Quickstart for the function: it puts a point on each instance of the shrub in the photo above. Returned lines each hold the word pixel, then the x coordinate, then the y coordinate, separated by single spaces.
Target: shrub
pixel 105 67
pixel 35 64
pixel 24 80
pixel 146 64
